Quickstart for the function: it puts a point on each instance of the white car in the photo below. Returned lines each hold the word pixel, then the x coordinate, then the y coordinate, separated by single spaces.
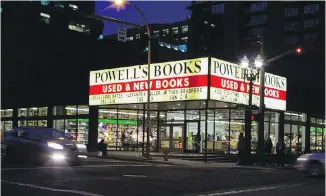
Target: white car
pixel 41 144
pixel 314 163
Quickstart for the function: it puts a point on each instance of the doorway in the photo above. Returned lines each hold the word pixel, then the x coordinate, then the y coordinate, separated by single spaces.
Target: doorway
pixel 172 137
pixel 192 140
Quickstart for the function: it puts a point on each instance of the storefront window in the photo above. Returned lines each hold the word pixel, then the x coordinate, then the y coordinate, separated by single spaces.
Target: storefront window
pixel 8 125
pixel 297 139
pixel 32 112
pixel 222 131
pixel 32 123
pixel 192 115
pixel 288 137
pixel 58 110
pixel 108 127
pixel 313 120
pixel 127 131
pixel 287 116
pixel 2 113
pixel 83 128
pixel 275 116
pixel 313 138
pixel 71 129
pixel 43 111
pixel 42 123
pixel 71 110
pixel 22 112
pixel 273 134
pixel 8 113
pixel 211 139
pixel 22 123
pixel 236 127
pixel 319 121
pixel 83 109
pixel 302 131
pixel 319 139
pixel 59 124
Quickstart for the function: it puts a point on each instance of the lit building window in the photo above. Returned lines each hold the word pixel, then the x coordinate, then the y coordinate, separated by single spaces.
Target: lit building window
pixel 311 23
pixel 255 7
pixel 291 39
pixel 78 27
pixel 310 37
pixel 185 39
pixel 130 38
pixel 259 19
pixel 218 8
pixel 165 32
pixel 156 33
pixel 74 7
pixel 291 26
pixel 44 2
pixel 45 18
pixel 184 29
pixel 137 36
pixel 175 30
pixel 290 12
pixel 310 9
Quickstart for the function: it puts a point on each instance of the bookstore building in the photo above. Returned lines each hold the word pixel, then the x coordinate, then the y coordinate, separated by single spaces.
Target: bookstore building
pixel 189 99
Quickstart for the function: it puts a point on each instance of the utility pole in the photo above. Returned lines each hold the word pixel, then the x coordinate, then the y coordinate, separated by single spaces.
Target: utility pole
pixel 261 112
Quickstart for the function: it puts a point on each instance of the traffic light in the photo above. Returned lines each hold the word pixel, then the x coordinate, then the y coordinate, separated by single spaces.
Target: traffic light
pixel 254 117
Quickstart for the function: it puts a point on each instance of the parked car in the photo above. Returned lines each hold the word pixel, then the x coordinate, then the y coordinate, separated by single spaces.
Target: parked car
pixel 41 144
pixel 314 163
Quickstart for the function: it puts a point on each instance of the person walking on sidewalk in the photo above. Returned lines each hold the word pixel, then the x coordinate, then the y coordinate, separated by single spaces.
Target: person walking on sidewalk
pixel 241 149
pixel 268 150
pixel 280 148
pixel 102 147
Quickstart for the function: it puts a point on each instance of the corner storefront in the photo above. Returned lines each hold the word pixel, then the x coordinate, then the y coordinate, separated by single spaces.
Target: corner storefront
pixel 192 101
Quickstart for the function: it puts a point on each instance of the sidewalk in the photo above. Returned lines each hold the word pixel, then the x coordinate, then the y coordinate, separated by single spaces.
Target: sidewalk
pixel 136 157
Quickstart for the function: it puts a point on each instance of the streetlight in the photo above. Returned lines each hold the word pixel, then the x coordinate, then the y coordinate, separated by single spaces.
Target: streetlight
pixel 122 3
pixel 251 77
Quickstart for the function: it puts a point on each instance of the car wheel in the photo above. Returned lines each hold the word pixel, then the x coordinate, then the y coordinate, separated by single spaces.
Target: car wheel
pixel 315 169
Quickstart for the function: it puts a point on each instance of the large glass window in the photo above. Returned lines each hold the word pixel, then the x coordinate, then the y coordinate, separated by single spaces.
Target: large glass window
pixel 313 138
pixel 71 129
pixel 8 125
pixel 83 128
pixel 108 127
pixel 127 128
pixel 22 112
pixel 22 123
pixel 288 137
pixel 71 110
pixel 319 139
pixel 83 109
pixel 8 113
pixel 32 112
pixel 43 111
pixel 42 123
pixel 59 124
pixel 236 127
pixel 32 123
pixel 58 110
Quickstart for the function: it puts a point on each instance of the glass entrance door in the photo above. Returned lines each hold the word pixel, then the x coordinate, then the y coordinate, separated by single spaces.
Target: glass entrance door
pixel 172 137
pixel 190 134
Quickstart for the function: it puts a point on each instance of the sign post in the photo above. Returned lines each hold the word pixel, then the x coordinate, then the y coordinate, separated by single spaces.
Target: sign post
pixel 122 34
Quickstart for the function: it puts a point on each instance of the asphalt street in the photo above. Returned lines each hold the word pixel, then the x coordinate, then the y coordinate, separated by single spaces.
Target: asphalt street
pixel 98 177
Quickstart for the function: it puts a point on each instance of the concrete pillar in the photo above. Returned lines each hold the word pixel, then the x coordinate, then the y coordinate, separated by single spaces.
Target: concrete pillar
pixel 93 128
pixel 280 134
pixel 307 134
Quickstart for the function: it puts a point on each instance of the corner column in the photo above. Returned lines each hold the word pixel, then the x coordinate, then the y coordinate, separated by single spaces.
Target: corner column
pixel 93 126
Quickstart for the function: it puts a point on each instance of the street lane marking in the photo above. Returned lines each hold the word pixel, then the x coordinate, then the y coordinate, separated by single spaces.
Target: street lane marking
pixel 85 166
pixel 249 190
pixel 51 189
pixel 135 176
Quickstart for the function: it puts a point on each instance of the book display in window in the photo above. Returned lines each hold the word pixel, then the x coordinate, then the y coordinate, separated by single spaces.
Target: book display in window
pixel 83 129
pixel 71 129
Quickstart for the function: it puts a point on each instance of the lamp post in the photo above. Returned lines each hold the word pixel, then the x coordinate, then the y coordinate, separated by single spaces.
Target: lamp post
pixel 251 77
pixel 121 3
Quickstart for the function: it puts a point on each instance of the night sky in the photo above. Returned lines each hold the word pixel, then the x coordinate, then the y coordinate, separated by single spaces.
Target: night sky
pixel 154 11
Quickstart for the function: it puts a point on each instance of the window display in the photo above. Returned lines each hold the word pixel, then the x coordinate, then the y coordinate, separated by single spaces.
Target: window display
pixel 42 123
pixel 71 129
pixel 32 111
pixel 319 139
pixel 127 134
pixel 22 112
pixel 22 123
pixel 59 124
pixel 313 138
pixel 58 110
pixel 82 109
pixel 83 129
pixel 2 113
pixel 32 123
pixel 8 125
pixel 8 113
pixel 71 110
pixel 43 111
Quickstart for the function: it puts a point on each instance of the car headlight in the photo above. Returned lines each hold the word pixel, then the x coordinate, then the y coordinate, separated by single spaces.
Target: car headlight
pixel 304 157
pixel 55 146
pixel 58 157
pixel 81 146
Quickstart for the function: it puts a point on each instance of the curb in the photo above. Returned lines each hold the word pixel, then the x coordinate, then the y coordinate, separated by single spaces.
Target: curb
pixel 137 160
